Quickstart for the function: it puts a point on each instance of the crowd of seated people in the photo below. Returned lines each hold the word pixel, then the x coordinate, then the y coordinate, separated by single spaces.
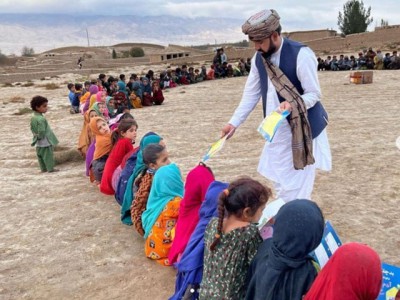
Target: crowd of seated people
pixel 369 61
pixel 205 228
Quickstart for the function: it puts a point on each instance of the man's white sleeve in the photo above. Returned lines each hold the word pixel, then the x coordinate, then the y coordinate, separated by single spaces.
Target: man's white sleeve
pixel 251 95
pixel 308 75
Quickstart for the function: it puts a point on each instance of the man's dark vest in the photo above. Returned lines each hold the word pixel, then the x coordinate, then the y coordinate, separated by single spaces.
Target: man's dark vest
pixel 317 116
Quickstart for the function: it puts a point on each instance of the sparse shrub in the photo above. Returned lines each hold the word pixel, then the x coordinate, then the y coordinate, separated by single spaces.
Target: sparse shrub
pixel 43 78
pixel 23 111
pixel 66 155
pixel 8 84
pixel 51 86
pixel 26 51
pixel 125 54
pixel 17 99
pixel 136 52
pixel 28 83
pixel 114 54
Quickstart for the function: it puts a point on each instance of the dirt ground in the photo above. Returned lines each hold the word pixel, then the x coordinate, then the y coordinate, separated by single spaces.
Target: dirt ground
pixel 62 239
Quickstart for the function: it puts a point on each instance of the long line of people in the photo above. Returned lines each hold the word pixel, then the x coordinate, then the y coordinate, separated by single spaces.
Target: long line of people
pixel 207 230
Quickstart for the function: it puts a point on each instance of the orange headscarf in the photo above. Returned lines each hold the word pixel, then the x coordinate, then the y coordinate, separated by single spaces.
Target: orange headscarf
pixel 103 141
pixel 86 136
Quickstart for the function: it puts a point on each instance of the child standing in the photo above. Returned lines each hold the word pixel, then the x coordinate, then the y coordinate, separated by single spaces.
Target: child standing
pixel 43 136
pixel 232 242
pixel 122 140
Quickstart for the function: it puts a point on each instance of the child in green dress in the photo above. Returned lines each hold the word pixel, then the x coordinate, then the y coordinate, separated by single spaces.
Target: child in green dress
pixel 43 137
pixel 232 242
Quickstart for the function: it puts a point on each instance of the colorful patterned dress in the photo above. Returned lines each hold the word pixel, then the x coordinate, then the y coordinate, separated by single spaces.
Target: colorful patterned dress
pixel 226 267
pixel 160 239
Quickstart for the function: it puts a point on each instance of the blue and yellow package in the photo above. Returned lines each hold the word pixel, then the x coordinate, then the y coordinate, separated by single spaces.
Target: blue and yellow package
pixel 271 123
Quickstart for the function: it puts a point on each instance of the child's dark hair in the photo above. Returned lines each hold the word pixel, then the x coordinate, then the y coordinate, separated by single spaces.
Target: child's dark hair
pixel 127 116
pixel 70 85
pixel 123 127
pixel 151 153
pixel 78 86
pixel 241 193
pixel 38 101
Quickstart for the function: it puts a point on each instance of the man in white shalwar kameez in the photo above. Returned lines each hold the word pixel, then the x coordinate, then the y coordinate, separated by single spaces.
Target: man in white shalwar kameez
pixel 276 161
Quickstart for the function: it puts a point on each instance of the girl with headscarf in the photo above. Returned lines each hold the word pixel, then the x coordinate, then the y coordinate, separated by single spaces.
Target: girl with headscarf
pixel 102 134
pixel 353 272
pixel 161 213
pixel 101 110
pixel 154 156
pixel 282 268
pixel 190 267
pixel 93 89
pixel 127 165
pixel 139 167
pixel 122 140
pixel 110 107
pixel 86 136
pixel 196 186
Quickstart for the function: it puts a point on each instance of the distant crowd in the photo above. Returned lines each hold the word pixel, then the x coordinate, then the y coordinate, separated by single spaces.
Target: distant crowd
pixel 365 61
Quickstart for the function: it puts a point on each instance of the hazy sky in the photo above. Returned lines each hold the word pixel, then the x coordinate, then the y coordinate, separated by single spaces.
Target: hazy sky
pixel 295 14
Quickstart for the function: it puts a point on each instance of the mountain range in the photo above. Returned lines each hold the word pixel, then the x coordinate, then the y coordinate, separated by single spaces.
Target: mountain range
pixel 43 32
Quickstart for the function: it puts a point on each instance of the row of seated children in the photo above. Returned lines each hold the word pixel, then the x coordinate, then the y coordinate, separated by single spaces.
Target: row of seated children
pixel 182 76
pixel 368 61
pixel 206 228
pixel 120 95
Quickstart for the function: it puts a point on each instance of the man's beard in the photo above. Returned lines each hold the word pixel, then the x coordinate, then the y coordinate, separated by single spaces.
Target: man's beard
pixel 271 50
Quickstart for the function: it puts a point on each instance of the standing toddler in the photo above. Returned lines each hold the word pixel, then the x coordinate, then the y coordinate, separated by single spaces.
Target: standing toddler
pixel 43 137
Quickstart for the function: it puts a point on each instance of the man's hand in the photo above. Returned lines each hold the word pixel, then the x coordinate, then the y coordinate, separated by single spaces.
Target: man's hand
pixel 285 106
pixel 228 129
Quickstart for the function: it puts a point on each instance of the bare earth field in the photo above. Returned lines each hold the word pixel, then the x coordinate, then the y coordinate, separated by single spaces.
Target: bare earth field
pixel 62 239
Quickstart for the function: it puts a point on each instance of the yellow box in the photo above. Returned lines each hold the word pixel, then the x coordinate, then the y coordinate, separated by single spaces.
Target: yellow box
pixel 361 77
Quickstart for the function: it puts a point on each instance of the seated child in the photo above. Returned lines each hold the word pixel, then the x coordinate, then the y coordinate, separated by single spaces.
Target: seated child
pixel 154 157
pixel 73 99
pixel 158 97
pixel 103 146
pixel 196 186
pixel 211 73
pixel 147 99
pixel 161 212
pixel 43 137
pixel 86 137
pixel 122 140
pixel 101 110
pixel 110 103
pixel 190 267
pixel 353 272
pixel 282 268
pixel 130 189
pixel 232 242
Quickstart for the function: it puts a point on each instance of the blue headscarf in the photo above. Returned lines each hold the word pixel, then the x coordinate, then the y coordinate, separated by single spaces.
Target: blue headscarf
pixel 128 172
pixel 190 267
pixel 167 184
pixel 282 267
pixel 140 166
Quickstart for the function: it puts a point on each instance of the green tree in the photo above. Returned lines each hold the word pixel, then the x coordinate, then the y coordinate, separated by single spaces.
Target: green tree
pixel 384 23
pixel 26 51
pixel 355 18
pixel 114 54
pixel 136 52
